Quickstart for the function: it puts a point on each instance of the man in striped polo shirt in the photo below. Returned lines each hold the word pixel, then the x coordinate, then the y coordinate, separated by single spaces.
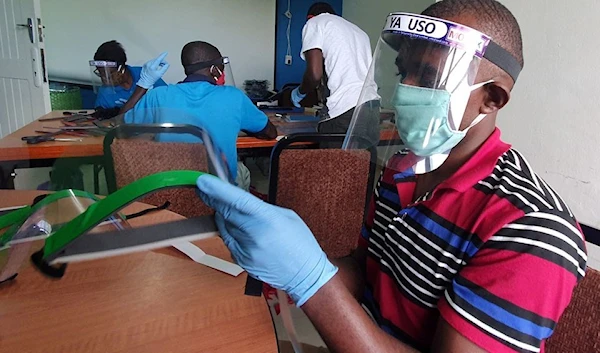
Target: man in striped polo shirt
pixel 464 248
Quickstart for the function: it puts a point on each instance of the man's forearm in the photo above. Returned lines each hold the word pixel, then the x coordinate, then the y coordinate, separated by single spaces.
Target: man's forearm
pixel 309 83
pixel 344 325
pixel 314 71
pixel 352 275
pixel 268 133
pixel 135 97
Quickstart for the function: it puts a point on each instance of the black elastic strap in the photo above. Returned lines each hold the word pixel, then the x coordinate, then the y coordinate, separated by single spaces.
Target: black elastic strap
pixel 56 272
pixel 254 287
pixel 190 69
pixel 149 210
pixel 503 59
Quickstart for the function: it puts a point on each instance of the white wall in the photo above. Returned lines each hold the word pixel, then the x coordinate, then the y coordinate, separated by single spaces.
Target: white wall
pixel 370 15
pixel 243 30
pixel 553 117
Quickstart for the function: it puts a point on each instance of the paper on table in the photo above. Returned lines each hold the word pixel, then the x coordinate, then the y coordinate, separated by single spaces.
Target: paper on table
pixel 199 256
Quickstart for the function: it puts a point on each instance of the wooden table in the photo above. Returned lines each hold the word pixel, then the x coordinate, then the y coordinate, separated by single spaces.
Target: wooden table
pixel 16 154
pixel 146 302
pixel 12 148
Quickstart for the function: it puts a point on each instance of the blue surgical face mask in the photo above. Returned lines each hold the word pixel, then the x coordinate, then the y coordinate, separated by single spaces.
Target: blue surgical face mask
pixel 422 119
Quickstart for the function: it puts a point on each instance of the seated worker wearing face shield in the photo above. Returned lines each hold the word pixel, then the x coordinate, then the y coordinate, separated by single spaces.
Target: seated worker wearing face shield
pixel 118 79
pixel 204 99
pixel 464 248
pixel 341 49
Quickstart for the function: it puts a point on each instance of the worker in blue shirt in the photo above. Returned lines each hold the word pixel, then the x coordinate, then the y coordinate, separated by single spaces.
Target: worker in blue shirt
pixel 123 77
pixel 203 100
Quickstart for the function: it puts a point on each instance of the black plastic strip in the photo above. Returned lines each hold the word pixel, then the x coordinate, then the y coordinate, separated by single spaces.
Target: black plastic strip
pixel 591 234
pixel 503 59
pixel 56 272
pixel 133 237
pixel 254 287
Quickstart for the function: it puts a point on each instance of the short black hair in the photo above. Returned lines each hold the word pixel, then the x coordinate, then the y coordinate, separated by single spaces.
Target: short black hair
pixel 111 51
pixel 196 52
pixel 493 19
pixel 320 7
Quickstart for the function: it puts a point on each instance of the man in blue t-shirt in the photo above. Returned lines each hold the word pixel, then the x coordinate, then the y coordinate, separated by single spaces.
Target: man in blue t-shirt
pixel 124 78
pixel 201 99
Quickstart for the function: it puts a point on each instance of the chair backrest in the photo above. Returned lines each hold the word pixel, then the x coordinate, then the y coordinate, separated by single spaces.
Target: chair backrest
pixel 579 327
pixel 131 158
pixel 326 187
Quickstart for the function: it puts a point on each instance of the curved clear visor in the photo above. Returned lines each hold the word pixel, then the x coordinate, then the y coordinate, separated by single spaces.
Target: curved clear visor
pixel 417 88
pixel 48 216
pixel 138 148
pixel 129 152
pixel 106 74
pixel 228 72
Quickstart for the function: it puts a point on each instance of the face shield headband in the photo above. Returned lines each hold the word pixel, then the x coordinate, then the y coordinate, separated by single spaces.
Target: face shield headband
pixel 190 69
pixel 449 34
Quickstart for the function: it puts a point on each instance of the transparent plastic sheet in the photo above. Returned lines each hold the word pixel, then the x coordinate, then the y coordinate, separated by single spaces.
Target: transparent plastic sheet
pixel 43 219
pixel 160 150
pixel 107 74
pixel 52 217
pixel 138 150
pixel 229 78
pixel 422 72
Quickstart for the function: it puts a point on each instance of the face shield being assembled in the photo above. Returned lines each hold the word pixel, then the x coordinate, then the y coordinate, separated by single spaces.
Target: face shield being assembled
pixel 72 225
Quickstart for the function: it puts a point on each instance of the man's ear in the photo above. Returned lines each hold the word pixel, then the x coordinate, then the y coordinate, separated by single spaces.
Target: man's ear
pixel 497 95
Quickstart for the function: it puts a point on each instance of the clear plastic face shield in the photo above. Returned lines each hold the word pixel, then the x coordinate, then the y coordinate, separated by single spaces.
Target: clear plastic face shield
pixel 46 217
pixel 191 145
pixel 219 70
pixel 422 75
pixel 132 153
pixel 107 74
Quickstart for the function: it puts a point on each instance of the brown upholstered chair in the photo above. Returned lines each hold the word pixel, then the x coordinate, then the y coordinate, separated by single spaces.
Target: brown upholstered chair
pixel 132 154
pixel 578 330
pixel 328 188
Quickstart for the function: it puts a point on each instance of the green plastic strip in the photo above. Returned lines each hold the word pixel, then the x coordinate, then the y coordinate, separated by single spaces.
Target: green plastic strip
pixel 14 217
pixel 113 203
pixel 18 217
pixel 11 220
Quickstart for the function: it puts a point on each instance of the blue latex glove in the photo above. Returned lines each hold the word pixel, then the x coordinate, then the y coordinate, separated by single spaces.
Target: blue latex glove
pixel 153 71
pixel 297 97
pixel 272 243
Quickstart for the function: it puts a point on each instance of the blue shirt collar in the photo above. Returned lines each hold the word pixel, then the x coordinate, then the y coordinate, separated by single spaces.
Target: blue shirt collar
pixel 198 78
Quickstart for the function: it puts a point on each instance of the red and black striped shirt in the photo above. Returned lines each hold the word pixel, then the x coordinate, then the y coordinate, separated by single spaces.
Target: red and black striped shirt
pixel 493 250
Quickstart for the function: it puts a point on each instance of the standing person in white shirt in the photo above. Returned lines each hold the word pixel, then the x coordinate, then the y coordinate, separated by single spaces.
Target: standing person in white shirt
pixel 344 51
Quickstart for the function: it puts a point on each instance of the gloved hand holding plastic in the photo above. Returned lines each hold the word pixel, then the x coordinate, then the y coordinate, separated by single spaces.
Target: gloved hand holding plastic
pixel 273 244
pixel 153 70
pixel 297 97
